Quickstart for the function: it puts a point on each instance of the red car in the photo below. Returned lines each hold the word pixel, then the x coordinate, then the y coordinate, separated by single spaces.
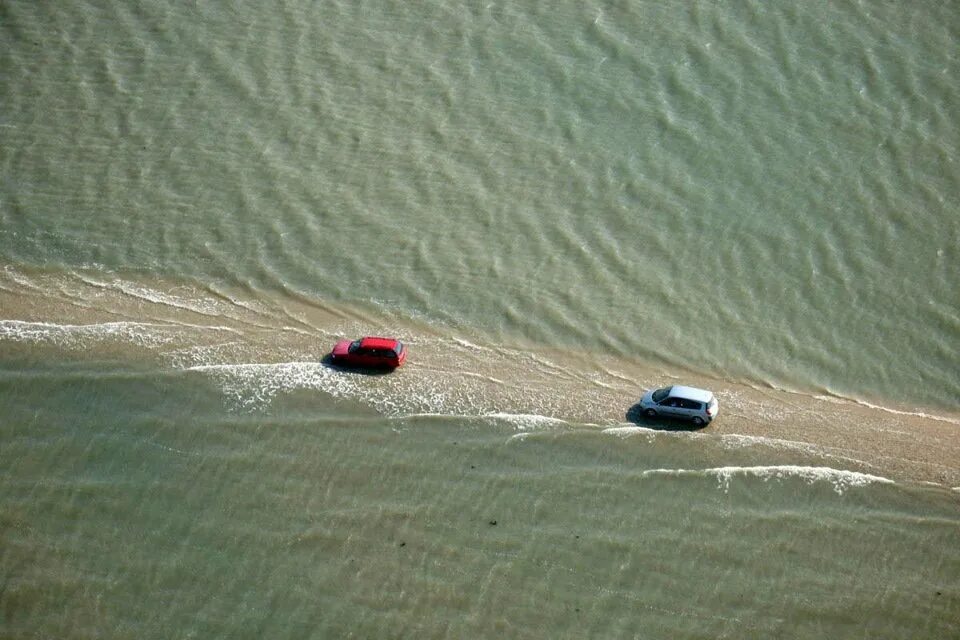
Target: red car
pixel 369 352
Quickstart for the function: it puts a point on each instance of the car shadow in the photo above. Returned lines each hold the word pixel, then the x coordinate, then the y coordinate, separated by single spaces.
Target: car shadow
pixel 327 361
pixel 660 423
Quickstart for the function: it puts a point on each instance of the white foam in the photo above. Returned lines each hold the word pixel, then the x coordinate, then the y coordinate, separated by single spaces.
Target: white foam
pixel 597 382
pixel 146 334
pixel 898 412
pixel 526 422
pixel 737 440
pixel 839 478
pixel 302 332
pixel 255 385
pixel 840 399
pixel 203 306
pixel 467 344
pixel 733 440
pixel 480 376
pixel 830 399
pixel 206 354
pixel 421 414
pixel 627 431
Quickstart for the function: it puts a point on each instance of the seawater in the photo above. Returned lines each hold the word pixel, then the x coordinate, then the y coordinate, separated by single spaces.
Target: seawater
pixel 556 207
pixel 135 505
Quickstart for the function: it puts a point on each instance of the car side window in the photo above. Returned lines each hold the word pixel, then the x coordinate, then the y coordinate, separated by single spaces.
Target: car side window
pixel 691 404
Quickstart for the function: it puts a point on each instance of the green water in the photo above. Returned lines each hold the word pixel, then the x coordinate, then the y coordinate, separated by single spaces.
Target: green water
pixel 555 206
pixel 762 193
pixel 133 507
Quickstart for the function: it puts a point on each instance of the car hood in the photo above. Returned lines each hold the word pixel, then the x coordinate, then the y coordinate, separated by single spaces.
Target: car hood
pixel 341 348
pixel 647 397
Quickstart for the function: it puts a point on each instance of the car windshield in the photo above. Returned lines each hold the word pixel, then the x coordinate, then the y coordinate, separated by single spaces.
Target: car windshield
pixel 660 394
pixel 354 346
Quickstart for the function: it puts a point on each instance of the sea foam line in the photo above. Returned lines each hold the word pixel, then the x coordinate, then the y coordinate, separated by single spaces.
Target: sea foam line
pixel 253 385
pixel 840 479
pixel 526 421
pixel 59 333
pixel 626 431
pixel 197 305
pixel 897 412
pixel 23 330
pixel 467 344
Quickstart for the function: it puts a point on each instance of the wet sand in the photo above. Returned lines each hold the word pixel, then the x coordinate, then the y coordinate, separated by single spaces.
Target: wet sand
pixel 264 345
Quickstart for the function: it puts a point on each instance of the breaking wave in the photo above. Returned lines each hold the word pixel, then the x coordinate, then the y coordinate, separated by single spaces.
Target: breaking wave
pixel 841 479
pixel 77 335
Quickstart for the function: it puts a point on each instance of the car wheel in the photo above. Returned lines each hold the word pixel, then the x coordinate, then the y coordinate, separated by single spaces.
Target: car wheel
pixel 650 413
pixel 698 421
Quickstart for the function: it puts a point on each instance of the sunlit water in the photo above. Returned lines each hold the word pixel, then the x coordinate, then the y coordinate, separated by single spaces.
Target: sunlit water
pixel 556 207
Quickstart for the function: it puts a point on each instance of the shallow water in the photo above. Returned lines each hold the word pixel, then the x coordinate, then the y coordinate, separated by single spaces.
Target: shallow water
pixel 136 505
pixel 556 208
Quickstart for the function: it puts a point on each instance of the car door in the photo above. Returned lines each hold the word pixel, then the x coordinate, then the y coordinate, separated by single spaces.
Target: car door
pixel 390 358
pixel 669 406
pixel 690 408
pixel 365 357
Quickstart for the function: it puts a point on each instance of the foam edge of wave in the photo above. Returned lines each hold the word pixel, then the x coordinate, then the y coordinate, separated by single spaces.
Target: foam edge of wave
pixel 841 479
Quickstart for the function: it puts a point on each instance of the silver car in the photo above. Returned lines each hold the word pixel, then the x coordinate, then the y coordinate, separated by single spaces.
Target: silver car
pixel 679 401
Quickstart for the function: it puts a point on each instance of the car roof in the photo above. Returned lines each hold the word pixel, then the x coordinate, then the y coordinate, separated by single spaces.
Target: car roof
pixel 374 342
pixel 690 393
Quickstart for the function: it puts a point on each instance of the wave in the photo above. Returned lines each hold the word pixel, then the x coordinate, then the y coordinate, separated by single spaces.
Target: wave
pixel 253 386
pixel 143 333
pixel 896 412
pixel 467 344
pixel 526 422
pixel 626 431
pixel 841 479
pixel 202 305
pixel 742 441
pixel 844 399
pixel 262 348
